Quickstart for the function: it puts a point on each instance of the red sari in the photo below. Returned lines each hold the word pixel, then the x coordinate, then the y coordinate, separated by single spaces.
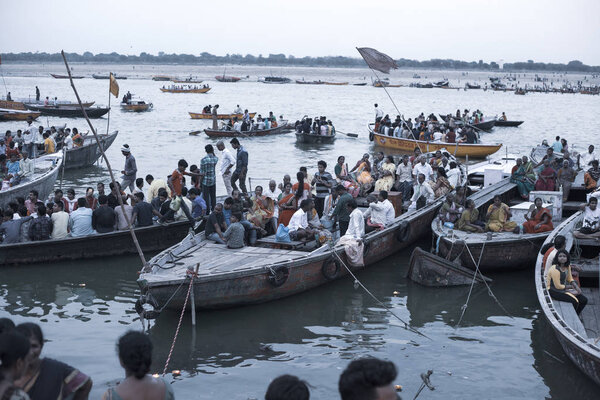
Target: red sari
pixel 285 214
pixel 538 218
pixel 550 183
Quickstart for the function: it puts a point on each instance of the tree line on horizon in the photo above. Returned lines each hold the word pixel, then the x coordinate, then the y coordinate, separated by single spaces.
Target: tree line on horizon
pixel 283 60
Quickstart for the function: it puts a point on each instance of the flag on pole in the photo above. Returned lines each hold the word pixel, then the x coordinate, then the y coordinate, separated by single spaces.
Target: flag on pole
pixel 377 60
pixel 114 86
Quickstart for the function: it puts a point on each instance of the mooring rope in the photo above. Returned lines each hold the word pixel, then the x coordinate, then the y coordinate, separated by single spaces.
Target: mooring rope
pixel 406 326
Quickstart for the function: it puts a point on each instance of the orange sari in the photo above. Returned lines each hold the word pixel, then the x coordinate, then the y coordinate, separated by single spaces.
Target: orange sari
pixel 285 214
pixel 529 226
pixel 261 212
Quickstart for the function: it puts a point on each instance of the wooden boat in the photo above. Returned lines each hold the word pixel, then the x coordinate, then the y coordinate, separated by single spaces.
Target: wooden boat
pixel 360 84
pixel 424 85
pixel 472 86
pixel 302 137
pixel 20 105
pixel 275 80
pixel 485 125
pixel 303 82
pixel 151 239
pixel 69 112
pixel 226 78
pixel 336 83
pixel 499 251
pixel 408 146
pixel 88 154
pixel 385 84
pixel 441 84
pixel 57 76
pixel 577 336
pixel 107 76
pixel 219 116
pixel 136 106
pixel 521 92
pixel 187 80
pixel 430 270
pixel 181 90
pixel 7 114
pixel 231 278
pixel 46 171
pixel 161 78
pixel 500 122
pixel 264 132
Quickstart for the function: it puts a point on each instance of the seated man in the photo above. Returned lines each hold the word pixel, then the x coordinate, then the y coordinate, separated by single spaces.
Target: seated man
pixel 40 227
pixel 234 235
pixel 298 224
pixel 215 225
pixel 80 220
pixel 422 194
pixel 591 220
pixel 60 222
pixel 380 213
pixel 592 176
pixel 450 211
pixel 352 239
pixel 198 203
pixel 103 217
pixel 10 229
pixel 142 211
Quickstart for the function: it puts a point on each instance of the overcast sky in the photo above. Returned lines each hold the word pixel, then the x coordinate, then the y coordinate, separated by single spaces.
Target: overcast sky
pixel 492 30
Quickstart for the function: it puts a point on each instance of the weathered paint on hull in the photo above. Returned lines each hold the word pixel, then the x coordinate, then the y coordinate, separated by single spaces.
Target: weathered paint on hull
pixel 86 156
pixel 304 274
pixel 459 150
pixel 154 238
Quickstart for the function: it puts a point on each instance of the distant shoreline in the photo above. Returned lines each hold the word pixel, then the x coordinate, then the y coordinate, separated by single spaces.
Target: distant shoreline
pixel 280 60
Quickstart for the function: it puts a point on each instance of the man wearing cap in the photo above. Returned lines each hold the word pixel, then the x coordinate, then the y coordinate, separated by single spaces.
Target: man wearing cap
pixel 130 170
pixel 227 163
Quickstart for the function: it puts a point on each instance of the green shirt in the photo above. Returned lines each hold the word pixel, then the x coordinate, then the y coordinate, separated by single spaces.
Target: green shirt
pixel 341 211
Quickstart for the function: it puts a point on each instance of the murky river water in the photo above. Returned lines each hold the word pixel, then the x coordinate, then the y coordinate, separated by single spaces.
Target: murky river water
pixel 85 306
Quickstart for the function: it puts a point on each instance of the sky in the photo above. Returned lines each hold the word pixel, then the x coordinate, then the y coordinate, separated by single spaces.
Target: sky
pixel 470 30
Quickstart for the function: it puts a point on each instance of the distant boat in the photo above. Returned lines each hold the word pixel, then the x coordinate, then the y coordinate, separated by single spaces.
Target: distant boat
pixel 500 122
pixel 336 83
pixel 7 114
pixel 472 86
pixel 227 78
pixel 303 82
pixel 69 112
pixel 184 90
pixel 360 84
pixel 275 79
pixel 56 76
pixel 441 84
pixel 233 133
pixel 219 116
pixel 137 105
pixel 187 80
pixel 161 78
pixel 107 76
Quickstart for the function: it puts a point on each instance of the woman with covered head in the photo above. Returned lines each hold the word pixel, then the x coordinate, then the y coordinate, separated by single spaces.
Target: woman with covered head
pixel 524 177
pixel 540 219
pixel 498 216
pixel 387 175
pixel 135 355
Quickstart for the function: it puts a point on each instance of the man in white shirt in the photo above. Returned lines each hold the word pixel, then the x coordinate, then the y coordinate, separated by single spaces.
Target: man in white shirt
pixel 356 226
pixel 237 126
pixel 227 163
pixel 404 177
pixel 26 167
pixel 586 159
pixel 423 168
pixel 437 136
pixel 237 110
pixel 60 221
pixel 378 112
pixel 423 194
pixel 298 224
pixel 273 193
pixel 380 213
pixel 30 137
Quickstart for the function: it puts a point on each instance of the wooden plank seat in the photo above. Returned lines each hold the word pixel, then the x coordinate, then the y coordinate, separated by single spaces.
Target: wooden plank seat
pixel 293 245
pixel 568 314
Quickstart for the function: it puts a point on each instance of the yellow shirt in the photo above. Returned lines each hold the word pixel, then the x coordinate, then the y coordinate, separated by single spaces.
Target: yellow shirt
pixel 49 146
pixel 554 277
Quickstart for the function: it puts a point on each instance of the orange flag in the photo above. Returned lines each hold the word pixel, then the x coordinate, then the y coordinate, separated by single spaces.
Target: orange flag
pixel 114 86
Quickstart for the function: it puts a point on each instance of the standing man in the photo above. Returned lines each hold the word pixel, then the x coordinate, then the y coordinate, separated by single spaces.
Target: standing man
pixel 227 163
pixel 404 178
pixel 241 166
pixel 209 178
pixel 341 213
pixel 29 136
pixel 378 112
pixel 130 170
pixel 37 94
pixel 214 117
pixel 323 181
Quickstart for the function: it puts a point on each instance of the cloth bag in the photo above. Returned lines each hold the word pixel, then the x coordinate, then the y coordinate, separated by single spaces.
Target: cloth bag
pixel 283 234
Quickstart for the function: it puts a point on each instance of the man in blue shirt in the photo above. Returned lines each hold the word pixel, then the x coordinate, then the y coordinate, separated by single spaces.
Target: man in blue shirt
pixel 557 146
pixel 198 204
pixel 241 166
pixel 80 220
pixel 208 177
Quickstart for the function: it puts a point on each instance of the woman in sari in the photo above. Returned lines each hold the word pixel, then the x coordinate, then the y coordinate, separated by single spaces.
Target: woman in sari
pixel 287 205
pixel 261 211
pixel 498 215
pixel 523 180
pixel 469 219
pixel 441 186
pixel 387 175
pixel 547 178
pixel 540 219
pixel 460 197
pixel 301 186
pixel 565 177
pixel 341 169
pixel 362 174
pixel 450 211
pixel 46 378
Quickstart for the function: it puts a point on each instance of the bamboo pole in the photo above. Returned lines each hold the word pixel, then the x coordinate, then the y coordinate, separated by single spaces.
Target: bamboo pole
pixel 112 177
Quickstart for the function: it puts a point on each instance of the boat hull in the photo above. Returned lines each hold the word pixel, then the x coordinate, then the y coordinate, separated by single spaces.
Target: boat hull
pixel 219 116
pixel 485 126
pixel 69 112
pixel 227 79
pixel 232 133
pixel 508 123
pixel 87 155
pixel 201 90
pixel 56 76
pixel 310 138
pixel 18 116
pixel 459 150
pixel 136 107
pixel 44 184
pixel 152 238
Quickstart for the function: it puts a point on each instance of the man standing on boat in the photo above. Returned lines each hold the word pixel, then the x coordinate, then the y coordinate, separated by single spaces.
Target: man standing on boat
pixel 241 166
pixel 130 170
pixel 378 112
pixel 29 136
pixel 214 117
pixel 227 163
pixel 37 94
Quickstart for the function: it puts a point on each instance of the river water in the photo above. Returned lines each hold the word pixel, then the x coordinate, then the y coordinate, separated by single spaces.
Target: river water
pixel 84 306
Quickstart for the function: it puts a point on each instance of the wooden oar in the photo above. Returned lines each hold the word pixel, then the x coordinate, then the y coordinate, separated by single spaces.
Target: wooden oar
pixel 194 133
pixel 353 135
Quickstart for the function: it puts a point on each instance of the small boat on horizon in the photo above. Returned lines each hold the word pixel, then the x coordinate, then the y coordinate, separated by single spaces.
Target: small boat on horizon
pixel 57 76
pixel 227 78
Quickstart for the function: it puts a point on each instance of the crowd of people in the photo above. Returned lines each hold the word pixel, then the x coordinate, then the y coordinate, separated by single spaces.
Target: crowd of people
pixel 25 374
pixel 317 126
pixel 454 129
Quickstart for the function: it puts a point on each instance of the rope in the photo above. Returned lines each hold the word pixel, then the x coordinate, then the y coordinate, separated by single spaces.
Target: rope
pixel 179 324
pixel 406 326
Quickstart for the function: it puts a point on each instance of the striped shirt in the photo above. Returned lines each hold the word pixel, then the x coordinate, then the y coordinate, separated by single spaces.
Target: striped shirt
pixel 322 190
pixel 207 169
